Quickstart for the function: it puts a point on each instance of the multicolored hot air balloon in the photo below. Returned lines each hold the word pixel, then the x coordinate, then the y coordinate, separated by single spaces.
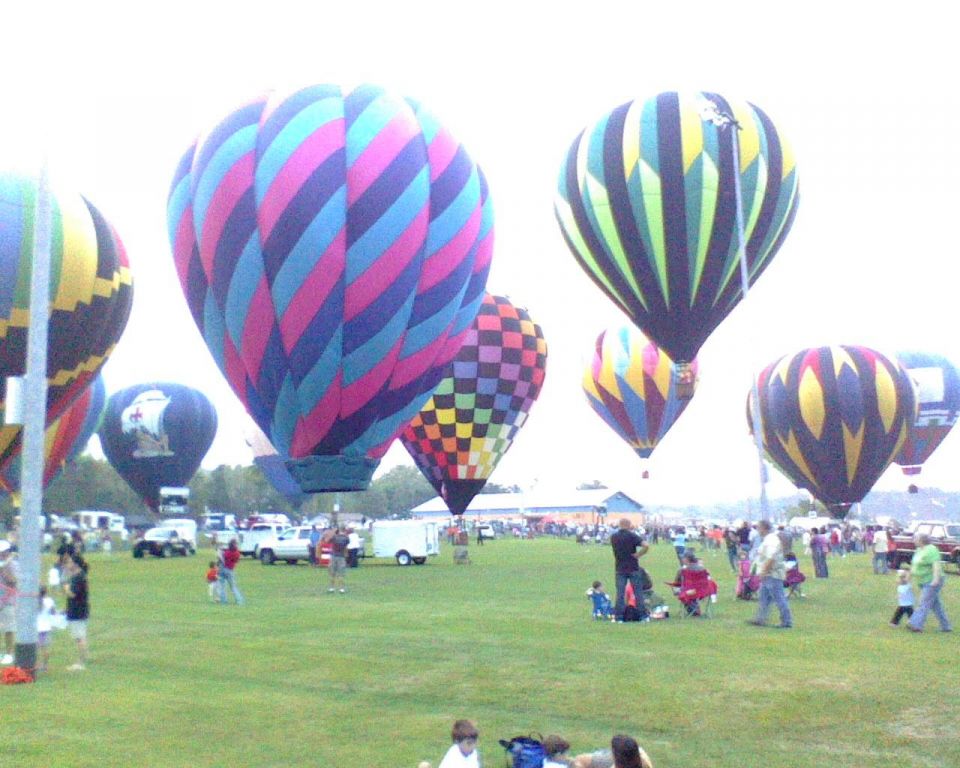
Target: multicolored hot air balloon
pixel 632 385
pixel 156 435
pixel 273 467
pixel 333 247
pixel 834 418
pixel 64 439
pixel 91 292
pixel 483 400
pixel 936 383
pixel 647 205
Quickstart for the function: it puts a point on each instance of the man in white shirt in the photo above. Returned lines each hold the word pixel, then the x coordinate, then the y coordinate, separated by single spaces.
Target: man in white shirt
pixel 8 600
pixel 881 545
pixel 772 571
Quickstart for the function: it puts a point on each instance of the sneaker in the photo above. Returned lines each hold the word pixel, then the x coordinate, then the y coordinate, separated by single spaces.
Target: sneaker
pixel 331 590
pixel 784 626
pixel 755 623
pixel 913 629
pixel 894 624
pixel 78 667
pixel 343 591
pixel 6 659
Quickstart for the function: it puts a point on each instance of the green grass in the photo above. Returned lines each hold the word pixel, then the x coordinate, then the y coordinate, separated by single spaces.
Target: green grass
pixel 376 677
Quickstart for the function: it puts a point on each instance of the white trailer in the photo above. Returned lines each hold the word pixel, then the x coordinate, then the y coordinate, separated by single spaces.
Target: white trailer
pixel 409 541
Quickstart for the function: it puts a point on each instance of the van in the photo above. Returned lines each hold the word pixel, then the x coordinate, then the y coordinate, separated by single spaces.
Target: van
pixel 408 541
pixel 96 520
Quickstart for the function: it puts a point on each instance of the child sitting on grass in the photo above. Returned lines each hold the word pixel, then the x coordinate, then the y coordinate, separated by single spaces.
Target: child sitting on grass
pixel 463 752
pixel 602 608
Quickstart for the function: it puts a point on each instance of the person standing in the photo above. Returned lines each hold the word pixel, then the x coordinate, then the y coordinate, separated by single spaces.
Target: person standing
pixel 819 546
pixel 8 600
pixel 228 578
pixel 680 542
pixel 881 545
pixel 927 569
pixel 772 571
pixel 628 548
pixel 353 548
pixel 338 560
pixel 312 545
pixel 77 590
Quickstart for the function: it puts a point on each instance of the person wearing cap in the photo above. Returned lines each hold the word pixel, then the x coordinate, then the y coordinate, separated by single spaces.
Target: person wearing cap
pixel 8 600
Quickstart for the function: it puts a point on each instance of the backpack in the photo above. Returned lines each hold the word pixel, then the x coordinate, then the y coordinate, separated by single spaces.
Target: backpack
pixel 525 751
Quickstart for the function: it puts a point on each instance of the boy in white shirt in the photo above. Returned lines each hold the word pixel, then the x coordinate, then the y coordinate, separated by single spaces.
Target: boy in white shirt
pixel 463 752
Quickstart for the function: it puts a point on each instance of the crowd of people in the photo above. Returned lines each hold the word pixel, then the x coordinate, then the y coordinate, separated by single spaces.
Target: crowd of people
pixel 552 752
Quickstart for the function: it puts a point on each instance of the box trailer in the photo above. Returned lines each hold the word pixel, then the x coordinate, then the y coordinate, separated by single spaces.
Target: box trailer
pixel 409 541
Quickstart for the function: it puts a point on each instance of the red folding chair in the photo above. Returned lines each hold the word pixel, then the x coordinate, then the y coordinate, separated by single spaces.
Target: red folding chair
pixel 696 588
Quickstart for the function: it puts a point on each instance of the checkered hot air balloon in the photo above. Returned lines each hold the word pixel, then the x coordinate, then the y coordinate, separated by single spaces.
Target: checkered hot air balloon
pixel 333 246
pixel 64 439
pixel 632 385
pixel 834 418
pixel 936 383
pixel 481 403
pixel 91 292
pixel 647 205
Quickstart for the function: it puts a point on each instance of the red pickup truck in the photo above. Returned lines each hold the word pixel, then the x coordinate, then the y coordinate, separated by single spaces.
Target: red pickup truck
pixel 945 535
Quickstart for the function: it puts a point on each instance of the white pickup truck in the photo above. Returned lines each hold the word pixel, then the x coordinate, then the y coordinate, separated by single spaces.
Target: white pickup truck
pixel 250 539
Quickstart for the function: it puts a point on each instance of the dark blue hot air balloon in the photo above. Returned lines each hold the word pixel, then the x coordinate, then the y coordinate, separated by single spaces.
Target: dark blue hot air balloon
pixel 156 435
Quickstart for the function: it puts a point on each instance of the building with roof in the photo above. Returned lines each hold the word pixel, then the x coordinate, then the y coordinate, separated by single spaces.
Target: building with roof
pixel 588 506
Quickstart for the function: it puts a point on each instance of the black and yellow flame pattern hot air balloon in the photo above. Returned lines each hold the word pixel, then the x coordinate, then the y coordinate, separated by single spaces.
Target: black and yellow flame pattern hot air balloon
pixel 834 418
pixel 91 292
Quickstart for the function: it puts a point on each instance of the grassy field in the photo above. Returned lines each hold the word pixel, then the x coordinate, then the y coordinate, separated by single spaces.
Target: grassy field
pixel 376 677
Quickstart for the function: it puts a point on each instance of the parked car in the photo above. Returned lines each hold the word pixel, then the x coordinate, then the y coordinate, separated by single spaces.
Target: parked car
pixel 944 535
pixel 249 540
pixel 485 531
pixel 291 545
pixel 163 542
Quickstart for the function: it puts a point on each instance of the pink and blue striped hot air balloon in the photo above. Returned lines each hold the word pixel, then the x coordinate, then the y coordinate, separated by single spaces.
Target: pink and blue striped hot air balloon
pixel 333 247
pixel 632 385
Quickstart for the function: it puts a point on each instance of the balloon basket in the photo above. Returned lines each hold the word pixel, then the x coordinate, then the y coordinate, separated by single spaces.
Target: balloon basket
pixel 686 381
pixel 319 474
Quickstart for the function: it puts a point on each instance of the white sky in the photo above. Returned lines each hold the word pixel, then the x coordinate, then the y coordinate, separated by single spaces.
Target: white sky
pixel 867 98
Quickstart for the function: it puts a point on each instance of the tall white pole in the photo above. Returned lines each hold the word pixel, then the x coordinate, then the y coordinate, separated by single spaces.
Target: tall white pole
pixel 745 287
pixel 34 425
pixel 711 113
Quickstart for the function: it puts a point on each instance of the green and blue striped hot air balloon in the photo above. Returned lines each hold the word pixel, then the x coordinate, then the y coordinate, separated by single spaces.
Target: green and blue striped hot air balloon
pixel 647 204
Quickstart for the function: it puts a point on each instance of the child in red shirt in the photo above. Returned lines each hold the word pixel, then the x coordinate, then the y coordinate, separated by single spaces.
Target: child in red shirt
pixel 213 582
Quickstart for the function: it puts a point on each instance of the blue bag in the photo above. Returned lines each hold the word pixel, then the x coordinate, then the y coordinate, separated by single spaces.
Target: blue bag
pixel 525 751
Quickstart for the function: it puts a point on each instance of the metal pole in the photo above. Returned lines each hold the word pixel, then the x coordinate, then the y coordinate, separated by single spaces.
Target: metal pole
pixel 34 426
pixel 733 127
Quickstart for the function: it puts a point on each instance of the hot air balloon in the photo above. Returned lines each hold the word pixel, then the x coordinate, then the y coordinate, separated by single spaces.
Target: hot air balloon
pixel 333 247
pixel 480 405
pixel 936 383
pixel 91 291
pixel 834 418
pixel 156 435
pixel 647 204
pixel 632 385
pixel 64 439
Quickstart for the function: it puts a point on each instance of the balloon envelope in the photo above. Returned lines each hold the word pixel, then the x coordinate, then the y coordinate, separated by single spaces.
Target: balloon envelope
pixel 156 435
pixel 333 247
pixel 91 291
pixel 834 418
pixel 64 439
pixel 647 205
pixel 274 467
pixel 632 385
pixel 936 383
pixel 478 408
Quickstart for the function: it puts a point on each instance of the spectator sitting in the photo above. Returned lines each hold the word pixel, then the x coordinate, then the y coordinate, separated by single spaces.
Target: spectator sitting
pixel 690 563
pixel 602 608
pixel 554 748
pixel 628 754
pixel 463 751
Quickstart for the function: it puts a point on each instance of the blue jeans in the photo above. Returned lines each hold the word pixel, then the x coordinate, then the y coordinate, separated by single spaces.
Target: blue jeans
pixel 227 578
pixel 771 591
pixel 880 562
pixel 930 601
pixel 634 579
